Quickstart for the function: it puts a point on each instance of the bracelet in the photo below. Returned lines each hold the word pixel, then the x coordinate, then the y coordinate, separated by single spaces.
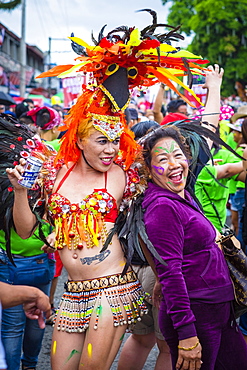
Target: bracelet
pixel 189 348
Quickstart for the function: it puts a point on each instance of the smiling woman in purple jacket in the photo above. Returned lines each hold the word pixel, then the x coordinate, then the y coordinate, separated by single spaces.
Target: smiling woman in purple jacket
pixel 196 316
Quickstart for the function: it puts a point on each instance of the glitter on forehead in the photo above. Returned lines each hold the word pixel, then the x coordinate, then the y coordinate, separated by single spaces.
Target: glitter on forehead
pixel 110 126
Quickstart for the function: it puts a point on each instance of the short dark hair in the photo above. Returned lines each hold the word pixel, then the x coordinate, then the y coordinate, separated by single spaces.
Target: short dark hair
pixel 133 113
pixel 141 128
pixel 28 100
pixel 21 108
pixel 173 106
pixel 160 133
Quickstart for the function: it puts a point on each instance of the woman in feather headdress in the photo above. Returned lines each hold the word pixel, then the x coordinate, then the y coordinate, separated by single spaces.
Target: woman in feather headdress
pixel 87 183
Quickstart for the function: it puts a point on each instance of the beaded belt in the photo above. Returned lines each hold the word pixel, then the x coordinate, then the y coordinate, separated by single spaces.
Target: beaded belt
pixel 76 286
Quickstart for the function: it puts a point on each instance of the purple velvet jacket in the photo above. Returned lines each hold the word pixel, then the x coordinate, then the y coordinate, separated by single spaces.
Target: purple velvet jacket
pixel 196 270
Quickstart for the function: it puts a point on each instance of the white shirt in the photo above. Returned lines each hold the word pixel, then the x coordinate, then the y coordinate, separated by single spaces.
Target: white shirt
pixel 3 364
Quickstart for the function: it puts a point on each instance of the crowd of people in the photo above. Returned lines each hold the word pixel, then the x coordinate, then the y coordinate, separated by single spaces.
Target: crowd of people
pixel 110 162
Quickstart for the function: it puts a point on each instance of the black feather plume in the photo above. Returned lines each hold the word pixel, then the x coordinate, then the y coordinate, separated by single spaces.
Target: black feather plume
pixel 14 138
pixel 78 49
pixel 150 11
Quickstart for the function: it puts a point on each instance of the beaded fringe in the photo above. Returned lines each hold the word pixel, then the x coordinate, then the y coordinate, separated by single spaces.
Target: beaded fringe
pixel 75 309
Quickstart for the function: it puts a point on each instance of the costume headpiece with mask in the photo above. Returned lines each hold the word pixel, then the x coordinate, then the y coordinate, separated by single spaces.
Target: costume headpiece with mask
pixel 115 65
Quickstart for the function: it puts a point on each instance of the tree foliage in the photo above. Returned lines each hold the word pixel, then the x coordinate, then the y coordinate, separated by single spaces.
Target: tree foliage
pixel 219 30
pixel 9 4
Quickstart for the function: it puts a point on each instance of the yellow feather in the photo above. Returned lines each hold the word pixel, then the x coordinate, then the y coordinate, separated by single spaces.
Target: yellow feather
pixel 185 54
pixel 81 42
pixel 164 49
pixel 77 66
pixel 168 74
pixel 134 38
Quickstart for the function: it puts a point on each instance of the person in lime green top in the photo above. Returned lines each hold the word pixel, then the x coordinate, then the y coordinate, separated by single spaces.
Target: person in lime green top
pixel 34 268
pixel 237 188
pixel 212 196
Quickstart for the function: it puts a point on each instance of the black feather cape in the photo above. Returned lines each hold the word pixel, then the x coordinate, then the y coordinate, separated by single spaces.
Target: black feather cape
pixel 14 136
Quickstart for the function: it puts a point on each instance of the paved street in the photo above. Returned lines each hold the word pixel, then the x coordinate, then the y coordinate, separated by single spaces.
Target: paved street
pixel 44 358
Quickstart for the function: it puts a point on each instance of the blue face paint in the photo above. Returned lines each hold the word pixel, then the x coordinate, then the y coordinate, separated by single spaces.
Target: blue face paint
pixel 159 170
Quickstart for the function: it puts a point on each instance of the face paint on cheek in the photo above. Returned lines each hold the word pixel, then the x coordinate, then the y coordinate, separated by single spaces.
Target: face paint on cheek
pixel 159 170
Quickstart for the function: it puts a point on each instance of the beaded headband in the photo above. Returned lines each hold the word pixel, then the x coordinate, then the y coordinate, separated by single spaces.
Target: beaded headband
pixel 110 126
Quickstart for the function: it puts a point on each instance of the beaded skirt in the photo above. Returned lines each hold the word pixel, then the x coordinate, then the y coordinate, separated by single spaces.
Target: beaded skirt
pixel 83 298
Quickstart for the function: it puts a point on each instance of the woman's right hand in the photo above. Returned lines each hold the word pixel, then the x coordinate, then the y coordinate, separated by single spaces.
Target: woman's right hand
pixel 189 359
pixel 15 174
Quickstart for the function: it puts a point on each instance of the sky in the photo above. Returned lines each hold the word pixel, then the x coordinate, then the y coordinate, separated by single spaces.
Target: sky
pixel 56 19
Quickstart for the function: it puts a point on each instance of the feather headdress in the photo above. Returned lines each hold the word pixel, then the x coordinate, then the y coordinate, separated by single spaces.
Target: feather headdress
pixel 123 59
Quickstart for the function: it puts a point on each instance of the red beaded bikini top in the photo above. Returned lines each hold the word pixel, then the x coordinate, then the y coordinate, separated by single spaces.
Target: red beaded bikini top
pixel 76 223
pixel 83 221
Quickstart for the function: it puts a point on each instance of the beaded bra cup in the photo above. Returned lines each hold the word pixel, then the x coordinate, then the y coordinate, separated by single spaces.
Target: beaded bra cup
pixel 76 223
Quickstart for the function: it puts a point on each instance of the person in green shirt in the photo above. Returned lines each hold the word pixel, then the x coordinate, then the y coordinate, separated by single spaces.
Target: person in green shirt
pixel 212 196
pixel 237 188
pixel 22 337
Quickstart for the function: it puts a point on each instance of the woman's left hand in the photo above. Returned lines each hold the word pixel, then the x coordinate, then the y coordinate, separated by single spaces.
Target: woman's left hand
pixel 189 359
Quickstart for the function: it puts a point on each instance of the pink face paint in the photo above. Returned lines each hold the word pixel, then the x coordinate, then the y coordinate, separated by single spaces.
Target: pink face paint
pixel 159 170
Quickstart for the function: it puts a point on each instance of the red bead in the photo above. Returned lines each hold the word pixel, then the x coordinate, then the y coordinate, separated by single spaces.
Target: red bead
pixel 80 246
pixel 71 235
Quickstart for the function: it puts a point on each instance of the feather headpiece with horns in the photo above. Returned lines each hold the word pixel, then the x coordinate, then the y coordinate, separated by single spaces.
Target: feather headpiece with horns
pixel 123 59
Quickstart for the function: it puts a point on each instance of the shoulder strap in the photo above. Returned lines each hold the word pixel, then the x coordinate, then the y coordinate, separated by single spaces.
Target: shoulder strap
pixel 213 205
pixel 65 177
pixel 106 180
